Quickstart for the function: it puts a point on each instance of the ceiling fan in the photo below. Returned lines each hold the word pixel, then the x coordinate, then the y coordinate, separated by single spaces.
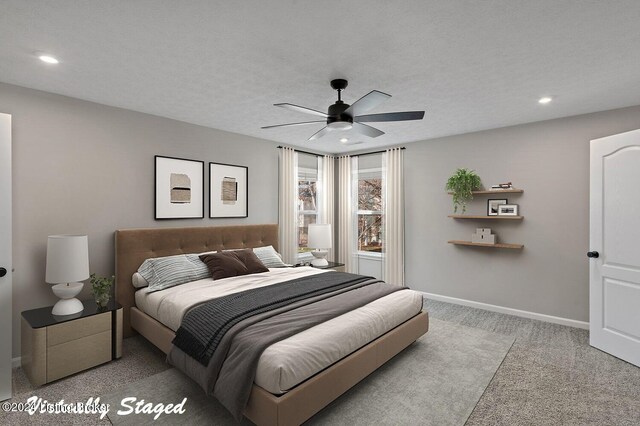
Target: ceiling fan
pixel 341 116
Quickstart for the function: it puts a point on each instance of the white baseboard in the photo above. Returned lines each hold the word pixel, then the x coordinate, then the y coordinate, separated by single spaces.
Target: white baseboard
pixel 16 362
pixel 509 311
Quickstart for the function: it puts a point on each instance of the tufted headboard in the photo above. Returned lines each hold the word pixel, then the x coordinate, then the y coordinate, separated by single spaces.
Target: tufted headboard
pixel 133 246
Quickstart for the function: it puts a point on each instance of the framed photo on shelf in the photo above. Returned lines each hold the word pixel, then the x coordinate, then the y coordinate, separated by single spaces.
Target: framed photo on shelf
pixel 179 188
pixel 228 191
pixel 492 206
pixel 508 210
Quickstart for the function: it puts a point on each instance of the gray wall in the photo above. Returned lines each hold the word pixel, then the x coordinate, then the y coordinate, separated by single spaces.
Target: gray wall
pixel 81 167
pixel 550 161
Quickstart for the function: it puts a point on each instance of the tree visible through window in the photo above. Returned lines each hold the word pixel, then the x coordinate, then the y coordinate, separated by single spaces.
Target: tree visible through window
pixel 370 218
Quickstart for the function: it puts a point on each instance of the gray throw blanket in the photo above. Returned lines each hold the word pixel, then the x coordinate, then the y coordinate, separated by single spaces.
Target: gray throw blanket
pixel 204 326
pixel 231 371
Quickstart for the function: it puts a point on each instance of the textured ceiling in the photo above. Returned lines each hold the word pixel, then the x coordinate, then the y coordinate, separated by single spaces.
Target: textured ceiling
pixel 471 65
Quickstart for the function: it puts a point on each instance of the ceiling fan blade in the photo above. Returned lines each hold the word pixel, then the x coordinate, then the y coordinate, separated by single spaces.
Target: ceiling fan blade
pixel 302 109
pixel 367 102
pixel 363 129
pixel 390 116
pixel 320 133
pixel 293 124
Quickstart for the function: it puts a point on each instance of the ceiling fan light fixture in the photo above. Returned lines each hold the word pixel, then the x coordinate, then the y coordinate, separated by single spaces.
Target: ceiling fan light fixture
pixel 340 125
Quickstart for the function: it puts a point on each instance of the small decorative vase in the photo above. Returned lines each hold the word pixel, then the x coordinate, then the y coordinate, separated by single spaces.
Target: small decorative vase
pixel 102 299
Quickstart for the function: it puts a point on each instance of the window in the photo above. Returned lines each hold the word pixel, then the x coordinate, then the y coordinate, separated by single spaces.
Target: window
pixel 307 197
pixel 370 218
pixel 370 215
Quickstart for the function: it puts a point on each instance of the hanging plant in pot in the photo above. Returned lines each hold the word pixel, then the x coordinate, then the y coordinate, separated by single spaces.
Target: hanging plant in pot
pixel 461 185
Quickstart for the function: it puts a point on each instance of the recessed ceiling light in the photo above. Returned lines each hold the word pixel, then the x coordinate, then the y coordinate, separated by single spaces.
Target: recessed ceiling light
pixel 544 100
pixel 47 58
pixel 343 140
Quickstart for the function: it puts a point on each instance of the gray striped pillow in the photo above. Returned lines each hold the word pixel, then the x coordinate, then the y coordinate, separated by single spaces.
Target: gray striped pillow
pixel 269 257
pixel 170 271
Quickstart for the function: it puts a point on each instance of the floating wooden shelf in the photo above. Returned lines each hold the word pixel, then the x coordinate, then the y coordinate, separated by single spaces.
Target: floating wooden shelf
pixel 497 245
pixel 468 216
pixel 496 191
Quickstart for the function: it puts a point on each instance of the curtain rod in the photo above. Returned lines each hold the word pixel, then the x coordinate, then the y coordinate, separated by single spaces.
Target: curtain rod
pixel 334 155
pixel 374 152
pixel 304 152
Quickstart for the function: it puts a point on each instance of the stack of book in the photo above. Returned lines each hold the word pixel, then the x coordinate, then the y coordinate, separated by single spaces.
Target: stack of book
pixel 501 186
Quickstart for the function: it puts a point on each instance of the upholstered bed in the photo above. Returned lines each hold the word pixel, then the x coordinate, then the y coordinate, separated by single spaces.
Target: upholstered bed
pixel 284 400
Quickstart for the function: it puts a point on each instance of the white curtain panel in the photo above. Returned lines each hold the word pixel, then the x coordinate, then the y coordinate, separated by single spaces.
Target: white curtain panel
pixel 345 214
pixel 288 205
pixel 326 169
pixel 393 206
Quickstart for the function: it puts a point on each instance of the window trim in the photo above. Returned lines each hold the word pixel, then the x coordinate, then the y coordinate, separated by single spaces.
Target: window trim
pixel 373 255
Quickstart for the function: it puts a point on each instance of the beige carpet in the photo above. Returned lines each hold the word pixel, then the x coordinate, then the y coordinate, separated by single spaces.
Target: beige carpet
pixel 550 376
pixel 436 381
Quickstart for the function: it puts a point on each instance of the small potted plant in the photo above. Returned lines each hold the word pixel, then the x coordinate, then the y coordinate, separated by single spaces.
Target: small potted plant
pixel 102 289
pixel 461 184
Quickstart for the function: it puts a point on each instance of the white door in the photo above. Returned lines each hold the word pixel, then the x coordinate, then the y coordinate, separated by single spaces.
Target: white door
pixel 5 256
pixel 614 295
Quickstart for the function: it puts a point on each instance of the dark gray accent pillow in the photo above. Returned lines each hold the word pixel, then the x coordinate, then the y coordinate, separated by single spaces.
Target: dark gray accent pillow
pixel 227 264
pixel 251 261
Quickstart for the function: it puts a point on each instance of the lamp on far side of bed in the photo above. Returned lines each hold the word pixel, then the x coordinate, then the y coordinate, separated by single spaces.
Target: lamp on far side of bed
pixel 320 239
pixel 67 265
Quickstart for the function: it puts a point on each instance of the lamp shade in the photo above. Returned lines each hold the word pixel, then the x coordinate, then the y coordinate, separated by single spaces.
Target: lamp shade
pixel 67 259
pixel 319 236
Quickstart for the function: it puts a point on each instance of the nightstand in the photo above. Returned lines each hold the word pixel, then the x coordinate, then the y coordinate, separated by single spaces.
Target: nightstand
pixel 338 267
pixel 55 346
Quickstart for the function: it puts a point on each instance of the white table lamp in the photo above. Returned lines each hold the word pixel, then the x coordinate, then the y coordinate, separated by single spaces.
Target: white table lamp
pixel 67 264
pixel 320 239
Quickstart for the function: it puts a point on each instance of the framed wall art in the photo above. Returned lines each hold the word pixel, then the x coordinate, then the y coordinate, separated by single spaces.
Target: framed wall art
pixel 508 210
pixel 492 206
pixel 179 188
pixel 228 191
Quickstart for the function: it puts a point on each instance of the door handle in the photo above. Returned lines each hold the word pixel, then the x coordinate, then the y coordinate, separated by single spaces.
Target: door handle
pixel 593 254
pixel 3 272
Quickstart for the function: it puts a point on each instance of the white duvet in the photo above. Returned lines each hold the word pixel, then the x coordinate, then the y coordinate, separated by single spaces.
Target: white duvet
pixel 289 362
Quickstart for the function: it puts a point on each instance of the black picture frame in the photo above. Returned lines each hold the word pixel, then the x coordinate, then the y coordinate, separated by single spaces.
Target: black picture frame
pixel 159 202
pixel 489 213
pixel 218 211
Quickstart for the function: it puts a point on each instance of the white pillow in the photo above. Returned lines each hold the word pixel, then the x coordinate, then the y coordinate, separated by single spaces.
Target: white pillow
pixel 138 281
pixel 269 257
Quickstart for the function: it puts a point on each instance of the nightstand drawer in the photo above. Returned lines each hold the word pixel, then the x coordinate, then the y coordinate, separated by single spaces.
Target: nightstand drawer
pixel 77 329
pixel 77 355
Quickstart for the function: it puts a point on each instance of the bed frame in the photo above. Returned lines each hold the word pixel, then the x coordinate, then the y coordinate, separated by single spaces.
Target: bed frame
pixel 133 246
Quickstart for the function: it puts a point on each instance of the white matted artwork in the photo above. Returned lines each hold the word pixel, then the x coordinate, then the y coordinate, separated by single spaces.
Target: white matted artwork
pixel 508 210
pixel 179 188
pixel 228 191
